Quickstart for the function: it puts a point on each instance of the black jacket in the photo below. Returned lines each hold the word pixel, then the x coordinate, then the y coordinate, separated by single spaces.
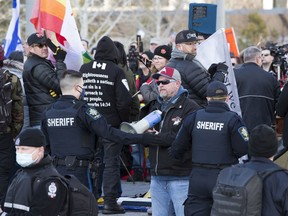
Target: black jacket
pixel 105 84
pixel 161 163
pixel 90 120
pixel 258 93
pixel 39 79
pixel 21 199
pixel 194 76
pixel 275 188
pixel 282 111
pixel 215 134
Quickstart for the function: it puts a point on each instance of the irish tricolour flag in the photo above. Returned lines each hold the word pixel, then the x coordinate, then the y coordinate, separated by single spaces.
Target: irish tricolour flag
pixel 56 17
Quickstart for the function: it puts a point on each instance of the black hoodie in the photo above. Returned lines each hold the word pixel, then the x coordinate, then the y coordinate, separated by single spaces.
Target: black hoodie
pixel 105 84
pixel 106 50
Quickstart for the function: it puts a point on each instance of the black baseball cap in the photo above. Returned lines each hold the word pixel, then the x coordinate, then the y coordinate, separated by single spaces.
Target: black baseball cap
pixel 36 38
pixel 186 36
pixel 216 89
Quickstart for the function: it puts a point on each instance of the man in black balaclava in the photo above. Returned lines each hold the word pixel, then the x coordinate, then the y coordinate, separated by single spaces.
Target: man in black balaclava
pixel 107 90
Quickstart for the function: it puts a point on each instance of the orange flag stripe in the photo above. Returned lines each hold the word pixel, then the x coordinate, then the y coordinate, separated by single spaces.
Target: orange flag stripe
pixel 231 39
pixel 54 8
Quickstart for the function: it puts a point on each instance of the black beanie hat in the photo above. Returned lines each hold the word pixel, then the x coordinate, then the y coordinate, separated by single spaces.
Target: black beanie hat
pixel 164 51
pixel 33 137
pixel 149 54
pixel 263 142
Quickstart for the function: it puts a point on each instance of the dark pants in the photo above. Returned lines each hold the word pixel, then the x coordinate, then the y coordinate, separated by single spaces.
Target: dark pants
pixel 111 174
pixel 7 162
pixel 82 174
pixel 200 198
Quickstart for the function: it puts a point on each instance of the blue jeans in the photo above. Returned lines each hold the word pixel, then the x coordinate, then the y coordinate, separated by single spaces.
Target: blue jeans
pixel 167 191
pixel 138 156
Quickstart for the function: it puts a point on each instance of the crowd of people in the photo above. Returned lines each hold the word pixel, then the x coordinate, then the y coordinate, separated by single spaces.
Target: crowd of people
pixel 68 122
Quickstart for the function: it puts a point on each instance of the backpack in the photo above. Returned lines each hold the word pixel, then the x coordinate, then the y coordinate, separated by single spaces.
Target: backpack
pixel 238 191
pixel 5 100
pixel 80 200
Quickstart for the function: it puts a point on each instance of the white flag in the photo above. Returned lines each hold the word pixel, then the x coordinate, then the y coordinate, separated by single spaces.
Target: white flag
pixel 215 50
pixel 12 40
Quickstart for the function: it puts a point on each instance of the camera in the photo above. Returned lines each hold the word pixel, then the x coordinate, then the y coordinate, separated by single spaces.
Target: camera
pixel 280 61
pixel 134 54
pixel 145 61
pixel 132 58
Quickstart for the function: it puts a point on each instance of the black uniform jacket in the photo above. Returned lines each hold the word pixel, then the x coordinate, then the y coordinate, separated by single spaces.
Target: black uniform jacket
pixel 215 134
pixel 48 199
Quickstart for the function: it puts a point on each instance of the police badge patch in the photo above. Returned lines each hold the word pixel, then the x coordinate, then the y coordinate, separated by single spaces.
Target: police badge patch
pixel 52 188
pixel 244 133
pixel 92 112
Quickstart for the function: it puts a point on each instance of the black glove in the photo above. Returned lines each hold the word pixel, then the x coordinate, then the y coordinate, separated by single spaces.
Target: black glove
pixel 222 67
pixel 60 54
pixel 49 43
pixel 212 69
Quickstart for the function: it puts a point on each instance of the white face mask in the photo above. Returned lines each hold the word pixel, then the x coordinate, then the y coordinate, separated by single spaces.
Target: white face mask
pixel 25 160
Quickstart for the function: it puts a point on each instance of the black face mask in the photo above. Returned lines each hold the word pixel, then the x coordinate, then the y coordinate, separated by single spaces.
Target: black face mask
pixel 82 93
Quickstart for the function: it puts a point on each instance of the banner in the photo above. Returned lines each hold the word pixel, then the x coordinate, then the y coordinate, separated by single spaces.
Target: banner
pixel 56 16
pixel 215 50
pixel 12 40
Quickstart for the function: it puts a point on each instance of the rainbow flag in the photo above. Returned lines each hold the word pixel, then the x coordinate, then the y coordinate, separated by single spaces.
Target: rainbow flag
pixel 56 17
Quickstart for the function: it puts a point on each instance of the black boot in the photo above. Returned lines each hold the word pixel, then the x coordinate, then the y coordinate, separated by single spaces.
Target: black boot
pixel 112 208
pixel 137 176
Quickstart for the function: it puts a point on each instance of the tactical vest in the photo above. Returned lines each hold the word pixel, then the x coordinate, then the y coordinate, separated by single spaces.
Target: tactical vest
pixel 66 136
pixel 211 138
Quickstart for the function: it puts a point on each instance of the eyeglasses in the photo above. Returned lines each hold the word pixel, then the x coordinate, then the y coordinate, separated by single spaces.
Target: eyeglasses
pixel 40 45
pixel 164 82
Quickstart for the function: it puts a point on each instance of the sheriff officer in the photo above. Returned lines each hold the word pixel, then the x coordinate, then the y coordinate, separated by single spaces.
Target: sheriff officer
pixel 72 127
pixel 218 137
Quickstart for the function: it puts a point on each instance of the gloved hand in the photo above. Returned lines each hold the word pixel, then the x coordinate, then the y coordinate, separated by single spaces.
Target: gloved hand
pixel 60 54
pixel 222 67
pixel 212 69
pixel 49 43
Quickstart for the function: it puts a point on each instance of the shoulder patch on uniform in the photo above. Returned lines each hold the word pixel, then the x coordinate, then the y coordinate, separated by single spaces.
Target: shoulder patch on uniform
pixel 52 189
pixel 244 133
pixel 93 113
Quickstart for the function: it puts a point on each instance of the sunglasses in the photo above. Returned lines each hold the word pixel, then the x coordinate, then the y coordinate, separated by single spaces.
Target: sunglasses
pixel 40 45
pixel 164 82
